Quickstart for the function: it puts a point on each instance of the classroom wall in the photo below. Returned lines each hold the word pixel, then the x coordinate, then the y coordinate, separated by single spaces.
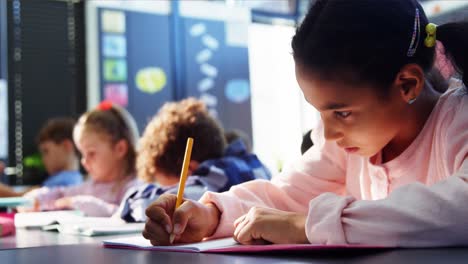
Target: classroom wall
pixel 280 114
pixel 45 60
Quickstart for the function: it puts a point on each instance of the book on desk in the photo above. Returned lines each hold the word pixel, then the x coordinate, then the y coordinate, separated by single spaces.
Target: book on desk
pixel 6 226
pixel 75 223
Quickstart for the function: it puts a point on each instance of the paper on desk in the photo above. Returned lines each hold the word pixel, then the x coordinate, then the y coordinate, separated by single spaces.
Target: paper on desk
pixel 93 226
pixel 40 219
pixel 73 222
pixel 224 245
pixel 98 228
pixel 82 221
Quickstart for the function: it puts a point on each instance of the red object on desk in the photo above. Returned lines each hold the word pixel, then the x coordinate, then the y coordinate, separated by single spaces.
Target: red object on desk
pixel 7 226
pixel 8 215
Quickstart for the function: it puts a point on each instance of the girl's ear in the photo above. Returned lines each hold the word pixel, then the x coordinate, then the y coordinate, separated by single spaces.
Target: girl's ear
pixel 410 82
pixel 121 148
pixel 193 166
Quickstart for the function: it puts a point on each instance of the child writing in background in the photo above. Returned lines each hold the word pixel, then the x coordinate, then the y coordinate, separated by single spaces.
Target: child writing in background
pixel 106 138
pixel 58 153
pixel 389 162
pixel 213 167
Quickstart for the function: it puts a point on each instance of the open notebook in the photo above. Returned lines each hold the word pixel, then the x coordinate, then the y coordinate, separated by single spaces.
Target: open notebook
pixel 36 220
pixel 68 222
pixel 95 226
pixel 224 245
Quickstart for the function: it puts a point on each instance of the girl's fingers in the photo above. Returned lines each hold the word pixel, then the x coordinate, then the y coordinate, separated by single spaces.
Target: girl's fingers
pixel 239 220
pixel 241 225
pixel 186 211
pixel 159 215
pixel 155 233
pixel 166 202
pixel 243 233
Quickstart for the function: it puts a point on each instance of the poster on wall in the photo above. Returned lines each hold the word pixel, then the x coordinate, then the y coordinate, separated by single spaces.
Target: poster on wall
pixel 216 65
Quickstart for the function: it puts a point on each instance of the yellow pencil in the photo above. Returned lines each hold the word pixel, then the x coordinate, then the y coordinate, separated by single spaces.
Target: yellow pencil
pixel 183 177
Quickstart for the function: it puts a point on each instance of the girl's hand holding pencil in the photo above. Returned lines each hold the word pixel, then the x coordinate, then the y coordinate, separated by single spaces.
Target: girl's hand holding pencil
pixel 171 218
pixel 189 223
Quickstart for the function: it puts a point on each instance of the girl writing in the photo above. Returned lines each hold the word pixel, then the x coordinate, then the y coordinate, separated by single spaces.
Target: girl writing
pixel 389 162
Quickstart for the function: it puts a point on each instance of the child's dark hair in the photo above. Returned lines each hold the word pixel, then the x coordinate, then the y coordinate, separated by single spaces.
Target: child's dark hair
pixel 117 123
pixel 165 137
pixel 368 41
pixel 307 142
pixel 56 130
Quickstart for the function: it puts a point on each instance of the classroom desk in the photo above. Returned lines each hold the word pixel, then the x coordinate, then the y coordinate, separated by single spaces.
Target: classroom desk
pixel 35 246
pixel 25 238
pixel 95 253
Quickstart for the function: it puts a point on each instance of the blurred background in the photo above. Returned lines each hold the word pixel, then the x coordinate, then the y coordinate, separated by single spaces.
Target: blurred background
pixel 61 58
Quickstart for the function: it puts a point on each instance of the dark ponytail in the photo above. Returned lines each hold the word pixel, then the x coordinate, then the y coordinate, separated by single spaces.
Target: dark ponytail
pixel 454 36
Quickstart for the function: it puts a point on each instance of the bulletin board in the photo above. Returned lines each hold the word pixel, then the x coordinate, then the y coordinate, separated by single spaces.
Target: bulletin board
pixel 135 61
pixel 145 53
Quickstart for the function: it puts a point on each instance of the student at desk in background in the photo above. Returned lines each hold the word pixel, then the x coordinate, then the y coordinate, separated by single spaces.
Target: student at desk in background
pixel 58 153
pixel 389 165
pixel 213 167
pixel 106 138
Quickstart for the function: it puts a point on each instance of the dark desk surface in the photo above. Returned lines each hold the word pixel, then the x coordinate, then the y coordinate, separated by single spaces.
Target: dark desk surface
pixel 94 253
pixel 36 238
pixel 35 246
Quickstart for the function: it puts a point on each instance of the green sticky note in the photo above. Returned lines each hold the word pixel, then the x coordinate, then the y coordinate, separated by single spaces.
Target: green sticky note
pixel 115 70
